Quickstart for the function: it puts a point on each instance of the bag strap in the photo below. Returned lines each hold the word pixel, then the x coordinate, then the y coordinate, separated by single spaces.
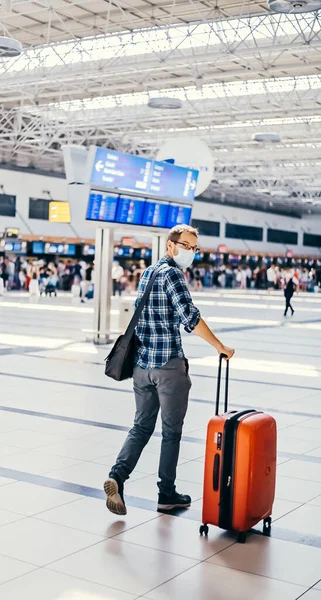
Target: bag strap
pixel 135 318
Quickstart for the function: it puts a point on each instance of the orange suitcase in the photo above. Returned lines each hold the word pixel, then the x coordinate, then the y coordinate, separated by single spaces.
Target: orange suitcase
pixel 240 468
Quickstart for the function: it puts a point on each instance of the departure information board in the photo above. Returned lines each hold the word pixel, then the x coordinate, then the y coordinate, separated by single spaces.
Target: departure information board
pixel 131 173
pixel 59 212
pixel 130 211
pixel 178 215
pixel 102 207
pixel 155 214
pixel 136 211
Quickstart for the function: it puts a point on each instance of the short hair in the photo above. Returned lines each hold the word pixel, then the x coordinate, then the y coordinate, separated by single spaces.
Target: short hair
pixel 176 232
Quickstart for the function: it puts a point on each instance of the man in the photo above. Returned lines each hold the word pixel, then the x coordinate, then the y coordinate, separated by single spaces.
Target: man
pixel 161 379
pixel 291 284
pixel 117 273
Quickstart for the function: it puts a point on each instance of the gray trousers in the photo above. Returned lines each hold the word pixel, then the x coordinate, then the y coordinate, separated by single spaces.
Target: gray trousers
pixel 166 389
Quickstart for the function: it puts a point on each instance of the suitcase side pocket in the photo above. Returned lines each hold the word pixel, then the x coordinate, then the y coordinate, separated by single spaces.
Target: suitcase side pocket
pixel 216 472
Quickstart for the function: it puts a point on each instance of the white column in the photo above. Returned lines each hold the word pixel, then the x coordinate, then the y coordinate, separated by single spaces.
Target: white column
pixel 104 255
pixel 158 247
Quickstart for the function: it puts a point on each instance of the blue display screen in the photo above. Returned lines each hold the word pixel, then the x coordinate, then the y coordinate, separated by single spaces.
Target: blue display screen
pixel 13 247
pixel 155 214
pixel 119 171
pixel 130 211
pixel 70 250
pixel 170 181
pixel 124 251
pixel 135 211
pixel 178 215
pixel 137 254
pixel 102 207
pixel 64 249
pixel 38 247
pixel 88 250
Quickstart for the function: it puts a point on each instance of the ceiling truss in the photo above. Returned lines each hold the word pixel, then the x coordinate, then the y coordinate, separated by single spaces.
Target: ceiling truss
pixel 89 68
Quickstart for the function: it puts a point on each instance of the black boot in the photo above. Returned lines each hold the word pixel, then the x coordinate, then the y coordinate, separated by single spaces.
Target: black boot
pixel 175 500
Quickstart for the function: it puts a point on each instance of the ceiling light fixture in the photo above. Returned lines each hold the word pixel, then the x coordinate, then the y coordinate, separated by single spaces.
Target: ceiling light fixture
pixel 165 103
pixel 294 6
pixel 273 138
pixel 9 47
pixel 280 193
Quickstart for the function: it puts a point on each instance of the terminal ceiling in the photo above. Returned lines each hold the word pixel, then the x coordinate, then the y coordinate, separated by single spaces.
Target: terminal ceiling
pixel 89 68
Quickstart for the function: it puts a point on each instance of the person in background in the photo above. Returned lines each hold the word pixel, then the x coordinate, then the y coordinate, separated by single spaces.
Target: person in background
pixel 68 276
pixel 22 278
pixel 77 273
pixel 34 286
pixel 10 268
pixel 43 277
pixel 117 273
pixel 271 277
pixel 161 379
pixel 3 272
pixel 243 277
pixel 190 276
pixel 304 280
pixel 291 284
pixel 52 283
pixel 87 283
pixel 248 272
pixel 221 280
pixel 197 280
pixel 312 281
pixel 229 277
pixel 132 279
pixel 139 272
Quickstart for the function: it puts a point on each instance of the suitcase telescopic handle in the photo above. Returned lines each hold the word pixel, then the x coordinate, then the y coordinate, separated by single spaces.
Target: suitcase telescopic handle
pixel 219 379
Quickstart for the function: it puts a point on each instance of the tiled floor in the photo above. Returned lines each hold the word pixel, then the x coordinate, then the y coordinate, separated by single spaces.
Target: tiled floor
pixel 62 423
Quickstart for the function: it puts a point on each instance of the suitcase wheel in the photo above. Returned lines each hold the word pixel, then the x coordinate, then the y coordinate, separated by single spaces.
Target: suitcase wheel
pixel 204 530
pixel 267 526
pixel 241 538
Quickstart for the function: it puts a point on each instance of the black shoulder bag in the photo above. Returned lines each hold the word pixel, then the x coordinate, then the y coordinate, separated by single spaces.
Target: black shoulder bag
pixel 120 361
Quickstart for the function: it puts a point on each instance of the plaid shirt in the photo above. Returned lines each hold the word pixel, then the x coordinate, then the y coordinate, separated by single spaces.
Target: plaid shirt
pixel 158 337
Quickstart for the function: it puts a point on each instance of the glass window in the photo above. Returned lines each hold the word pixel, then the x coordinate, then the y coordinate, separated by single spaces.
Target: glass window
pixel 243 232
pixel 7 205
pixel 311 239
pixel 39 209
pixel 211 228
pixel 280 236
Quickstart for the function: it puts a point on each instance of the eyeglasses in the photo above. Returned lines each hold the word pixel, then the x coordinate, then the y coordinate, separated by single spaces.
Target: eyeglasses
pixel 188 246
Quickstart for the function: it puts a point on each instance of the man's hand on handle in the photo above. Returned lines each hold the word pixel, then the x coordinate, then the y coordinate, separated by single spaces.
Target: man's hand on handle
pixel 228 352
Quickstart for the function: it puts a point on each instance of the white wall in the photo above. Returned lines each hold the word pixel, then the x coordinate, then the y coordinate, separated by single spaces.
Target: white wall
pixel 240 216
pixel 24 185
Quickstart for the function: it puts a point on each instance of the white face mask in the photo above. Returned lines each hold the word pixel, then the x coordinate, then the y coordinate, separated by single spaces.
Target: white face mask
pixel 184 258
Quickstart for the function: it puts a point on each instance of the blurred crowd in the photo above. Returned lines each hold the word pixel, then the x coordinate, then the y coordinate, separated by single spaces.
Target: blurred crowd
pixel 41 277
pixel 244 277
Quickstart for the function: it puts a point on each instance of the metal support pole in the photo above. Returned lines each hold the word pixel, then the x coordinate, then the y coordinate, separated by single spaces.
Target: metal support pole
pixel 158 247
pixel 103 284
